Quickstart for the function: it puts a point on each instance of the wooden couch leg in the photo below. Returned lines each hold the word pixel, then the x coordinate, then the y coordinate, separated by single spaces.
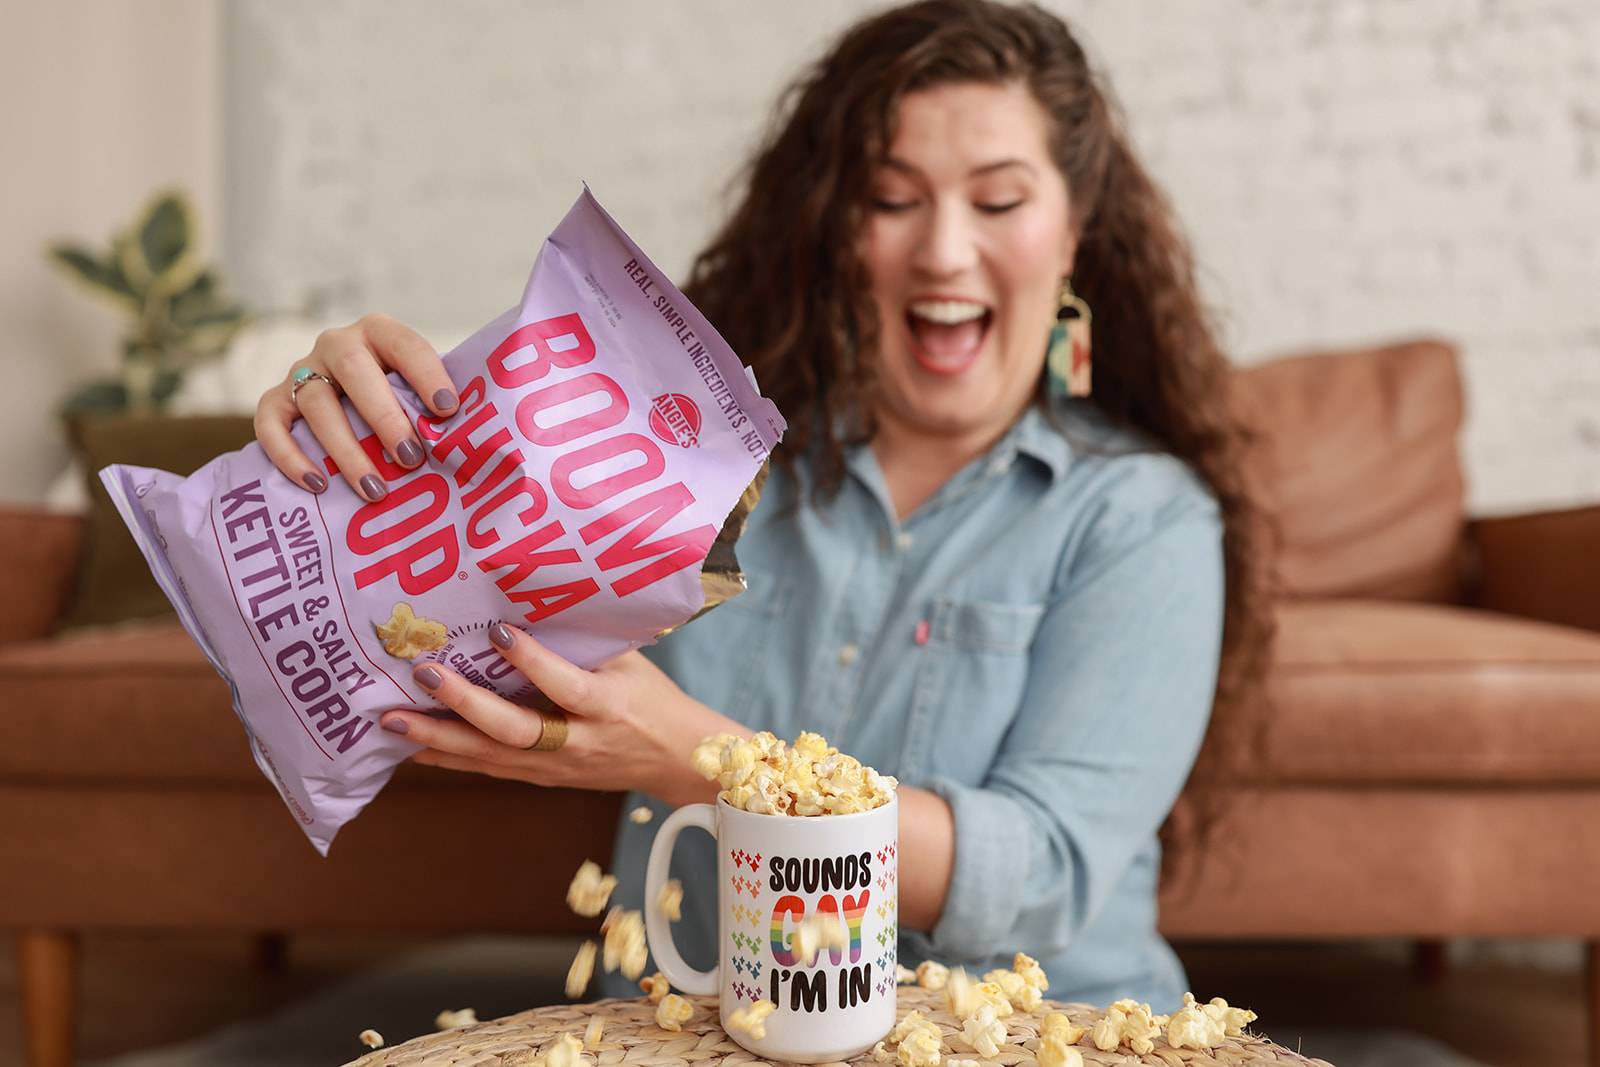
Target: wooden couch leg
pixel 272 951
pixel 1430 961
pixel 1592 961
pixel 47 966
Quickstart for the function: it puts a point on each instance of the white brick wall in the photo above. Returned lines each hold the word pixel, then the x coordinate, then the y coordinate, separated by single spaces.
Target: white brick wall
pixel 1350 170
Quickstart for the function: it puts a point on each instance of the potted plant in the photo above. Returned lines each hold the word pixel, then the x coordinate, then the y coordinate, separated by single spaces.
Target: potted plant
pixel 178 315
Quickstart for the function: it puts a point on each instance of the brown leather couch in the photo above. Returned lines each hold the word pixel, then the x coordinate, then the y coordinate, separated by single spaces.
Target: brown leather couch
pixel 1430 766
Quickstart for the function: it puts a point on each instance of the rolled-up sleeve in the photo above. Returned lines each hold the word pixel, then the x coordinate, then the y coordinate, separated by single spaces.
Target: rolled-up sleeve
pixel 1120 684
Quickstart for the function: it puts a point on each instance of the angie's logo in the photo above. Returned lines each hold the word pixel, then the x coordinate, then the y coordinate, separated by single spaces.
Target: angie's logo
pixel 675 419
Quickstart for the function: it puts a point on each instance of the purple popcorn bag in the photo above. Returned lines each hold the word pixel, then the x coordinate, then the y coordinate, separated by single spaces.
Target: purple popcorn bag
pixel 606 442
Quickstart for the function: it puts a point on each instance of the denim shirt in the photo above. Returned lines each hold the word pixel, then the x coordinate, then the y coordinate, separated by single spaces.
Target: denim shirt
pixel 1037 644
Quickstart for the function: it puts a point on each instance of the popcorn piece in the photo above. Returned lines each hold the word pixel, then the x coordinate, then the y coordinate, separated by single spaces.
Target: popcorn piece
pixel 882 1054
pixel 581 971
pixel 752 1020
pixel 640 815
pixel 761 774
pixel 910 1024
pixel 565 1051
pixel 1054 1052
pixel 407 636
pixel 960 994
pixel 593 1032
pixel 371 1039
pixel 1233 1020
pixel 904 975
pixel 1021 995
pixel 1192 1028
pixel 992 994
pixel 1130 1021
pixel 921 1048
pixel 817 932
pixel 952 1062
pixel 655 987
pixel 625 944
pixel 590 889
pixel 454 1020
pixel 1107 1032
pixel 672 1012
pixel 931 975
pixel 1057 1024
pixel 984 1032
pixel 669 901
pixel 1028 967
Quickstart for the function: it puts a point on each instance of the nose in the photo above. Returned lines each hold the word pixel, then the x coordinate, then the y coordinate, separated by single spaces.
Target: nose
pixel 947 244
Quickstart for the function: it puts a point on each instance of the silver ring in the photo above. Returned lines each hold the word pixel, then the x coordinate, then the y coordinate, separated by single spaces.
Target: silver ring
pixel 302 376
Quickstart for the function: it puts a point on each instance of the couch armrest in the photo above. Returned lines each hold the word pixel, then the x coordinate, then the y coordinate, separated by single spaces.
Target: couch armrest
pixel 38 564
pixel 1540 566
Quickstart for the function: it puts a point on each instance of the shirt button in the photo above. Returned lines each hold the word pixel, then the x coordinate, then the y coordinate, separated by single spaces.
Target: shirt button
pixel 848 654
pixel 904 540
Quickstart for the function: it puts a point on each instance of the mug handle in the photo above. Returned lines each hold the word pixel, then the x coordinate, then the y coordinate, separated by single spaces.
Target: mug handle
pixel 657 928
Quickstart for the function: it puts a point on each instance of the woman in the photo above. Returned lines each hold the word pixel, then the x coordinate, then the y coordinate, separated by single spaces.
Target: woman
pixel 1015 600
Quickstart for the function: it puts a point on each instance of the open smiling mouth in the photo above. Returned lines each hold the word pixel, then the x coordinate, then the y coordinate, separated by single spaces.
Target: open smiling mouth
pixel 947 335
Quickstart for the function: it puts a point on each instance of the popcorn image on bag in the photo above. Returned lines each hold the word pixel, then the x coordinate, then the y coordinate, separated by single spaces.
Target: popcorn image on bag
pixel 406 637
pixel 557 497
pixel 764 775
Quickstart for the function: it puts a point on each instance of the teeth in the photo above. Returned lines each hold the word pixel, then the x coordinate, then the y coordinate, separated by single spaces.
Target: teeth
pixel 947 312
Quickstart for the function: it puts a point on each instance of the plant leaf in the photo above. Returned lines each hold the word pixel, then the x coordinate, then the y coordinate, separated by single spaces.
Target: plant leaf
pixel 164 234
pixel 106 394
pixel 90 270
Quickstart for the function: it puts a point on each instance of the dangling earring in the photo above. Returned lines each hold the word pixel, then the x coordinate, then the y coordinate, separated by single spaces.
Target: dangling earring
pixel 1067 360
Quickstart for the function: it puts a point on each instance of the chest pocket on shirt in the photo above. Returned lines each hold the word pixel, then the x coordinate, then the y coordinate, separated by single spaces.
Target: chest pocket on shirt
pixel 971 678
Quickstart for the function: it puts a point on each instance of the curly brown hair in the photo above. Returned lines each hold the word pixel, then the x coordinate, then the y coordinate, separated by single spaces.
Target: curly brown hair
pixel 784 284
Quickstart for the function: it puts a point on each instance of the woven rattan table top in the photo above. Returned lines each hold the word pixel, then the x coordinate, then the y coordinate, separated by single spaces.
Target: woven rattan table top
pixel 632 1039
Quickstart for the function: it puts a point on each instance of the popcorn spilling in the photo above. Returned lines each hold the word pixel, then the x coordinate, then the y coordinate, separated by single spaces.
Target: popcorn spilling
pixel 371 1039
pixel 640 815
pixel 669 901
pixel 763 774
pixel 453 1020
pixel 751 1020
pixel 590 889
pixel 581 971
pixel 817 932
pixel 625 942
pixel 655 987
pixel 593 1032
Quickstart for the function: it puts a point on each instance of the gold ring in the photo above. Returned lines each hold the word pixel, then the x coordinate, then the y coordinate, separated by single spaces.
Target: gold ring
pixel 554 732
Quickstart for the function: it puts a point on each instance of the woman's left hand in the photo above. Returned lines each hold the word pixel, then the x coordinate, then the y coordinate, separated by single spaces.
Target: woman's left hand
pixel 629 725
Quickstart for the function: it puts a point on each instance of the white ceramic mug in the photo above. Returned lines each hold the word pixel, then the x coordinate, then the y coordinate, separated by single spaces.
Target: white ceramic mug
pixel 772 872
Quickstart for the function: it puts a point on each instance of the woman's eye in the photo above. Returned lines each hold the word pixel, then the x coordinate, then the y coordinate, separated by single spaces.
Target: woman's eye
pixel 998 209
pixel 893 206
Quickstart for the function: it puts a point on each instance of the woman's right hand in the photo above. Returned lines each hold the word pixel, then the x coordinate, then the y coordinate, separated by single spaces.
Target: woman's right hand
pixel 356 359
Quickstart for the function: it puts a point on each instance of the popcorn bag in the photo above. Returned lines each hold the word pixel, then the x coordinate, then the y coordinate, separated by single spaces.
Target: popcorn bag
pixel 608 441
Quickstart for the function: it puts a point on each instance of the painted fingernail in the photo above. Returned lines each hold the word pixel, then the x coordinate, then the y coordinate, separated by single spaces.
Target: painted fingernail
pixel 428 677
pixel 372 488
pixel 444 400
pixel 315 482
pixel 410 452
pixel 396 726
pixel 501 635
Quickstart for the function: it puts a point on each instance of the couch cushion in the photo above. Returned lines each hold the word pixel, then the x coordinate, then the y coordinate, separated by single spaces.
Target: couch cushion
pixel 1358 460
pixel 1366 691
pixel 132 703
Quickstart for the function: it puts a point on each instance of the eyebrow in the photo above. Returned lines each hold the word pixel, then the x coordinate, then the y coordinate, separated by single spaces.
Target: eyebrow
pixel 987 168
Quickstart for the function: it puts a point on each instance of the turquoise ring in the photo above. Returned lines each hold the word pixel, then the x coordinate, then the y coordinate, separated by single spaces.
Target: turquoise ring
pixel 302 376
